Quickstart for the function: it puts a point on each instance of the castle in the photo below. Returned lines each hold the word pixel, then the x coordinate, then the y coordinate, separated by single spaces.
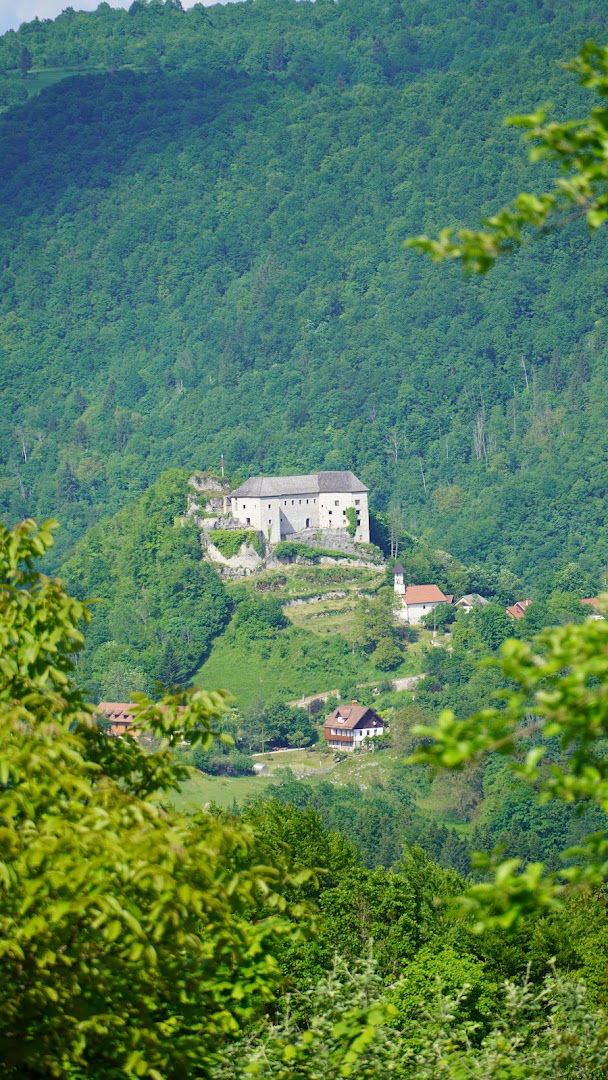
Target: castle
pixel 279 506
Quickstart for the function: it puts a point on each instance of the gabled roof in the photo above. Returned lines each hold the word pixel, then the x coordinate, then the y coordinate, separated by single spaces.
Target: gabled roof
pixel 116 710
pixel 518 609
pixel 351 716
pixel 473 599
pixel 120 717
pixel 425 594
pixel 307 484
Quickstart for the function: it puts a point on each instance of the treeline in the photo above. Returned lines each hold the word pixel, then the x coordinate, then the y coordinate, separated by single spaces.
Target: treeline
pixel 204 257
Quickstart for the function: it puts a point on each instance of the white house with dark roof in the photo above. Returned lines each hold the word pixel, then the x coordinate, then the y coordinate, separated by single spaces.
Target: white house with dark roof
pixel 348 725
pixel 280 506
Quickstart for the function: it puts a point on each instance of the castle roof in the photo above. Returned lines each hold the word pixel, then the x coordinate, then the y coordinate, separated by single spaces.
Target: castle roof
pixel 308 484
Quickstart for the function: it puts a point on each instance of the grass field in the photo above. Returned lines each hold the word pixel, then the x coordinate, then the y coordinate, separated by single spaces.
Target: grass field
pixel 200 790
pixel 303 581
pixel 331 616
pixel 293 665
pixel 313 656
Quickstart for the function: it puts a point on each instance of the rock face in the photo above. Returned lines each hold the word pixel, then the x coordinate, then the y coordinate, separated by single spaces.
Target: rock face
pixel 246 560
pixel 207 500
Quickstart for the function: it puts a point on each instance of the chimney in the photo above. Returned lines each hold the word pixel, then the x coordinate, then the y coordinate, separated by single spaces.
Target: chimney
pixel 354 701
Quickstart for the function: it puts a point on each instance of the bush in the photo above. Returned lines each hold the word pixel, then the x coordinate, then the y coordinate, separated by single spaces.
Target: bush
pixel 230 541
pixel 257 616
pixel 287 550
pixel 387 655
pixel 222 761
pixel 351 517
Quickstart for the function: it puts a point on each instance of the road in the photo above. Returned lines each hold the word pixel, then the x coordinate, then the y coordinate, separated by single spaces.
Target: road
pixel 407 683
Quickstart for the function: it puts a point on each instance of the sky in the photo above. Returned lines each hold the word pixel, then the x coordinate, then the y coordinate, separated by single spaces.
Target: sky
pixel 14 12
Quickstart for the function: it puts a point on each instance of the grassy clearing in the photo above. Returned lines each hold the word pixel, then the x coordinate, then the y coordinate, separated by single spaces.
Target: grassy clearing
pixel 313 655
pixel 301 762
pixel 332 616
pixel 287 667
pixel 363 770
pixel 200 790
pixel 304 581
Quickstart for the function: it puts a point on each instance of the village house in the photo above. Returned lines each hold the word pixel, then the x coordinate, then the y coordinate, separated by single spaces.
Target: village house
pixel 469 601
pixel 280 506
pixel 119 716
pixel 596 611
pixel 418 600
pixel 348 725
pixel 518 609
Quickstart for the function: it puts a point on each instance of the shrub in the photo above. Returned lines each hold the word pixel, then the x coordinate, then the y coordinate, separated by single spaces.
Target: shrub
pixel 230 541
pixel 387 655
pixel 351 517
pixel 290 549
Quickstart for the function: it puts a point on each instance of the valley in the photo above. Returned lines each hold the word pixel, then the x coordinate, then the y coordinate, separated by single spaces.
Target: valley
pixel 304 541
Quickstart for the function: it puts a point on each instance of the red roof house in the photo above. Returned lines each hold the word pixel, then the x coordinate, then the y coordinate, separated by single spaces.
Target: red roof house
pixel 120 717
pixel 420 599
pixel 597 611
pixel 518 609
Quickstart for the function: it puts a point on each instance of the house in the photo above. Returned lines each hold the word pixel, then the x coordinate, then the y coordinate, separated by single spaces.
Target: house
pixel 518 609
pixel 596 612
pixel 119 716
pixel 348 725
pixel 470 601
pixel 418 600
pixel 279 506
pixel 399 582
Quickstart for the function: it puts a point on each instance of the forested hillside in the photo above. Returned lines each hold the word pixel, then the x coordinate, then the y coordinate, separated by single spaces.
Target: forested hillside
pixel 202 253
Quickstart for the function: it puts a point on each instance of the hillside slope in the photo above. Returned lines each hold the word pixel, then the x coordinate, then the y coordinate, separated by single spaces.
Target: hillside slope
pixel 202 254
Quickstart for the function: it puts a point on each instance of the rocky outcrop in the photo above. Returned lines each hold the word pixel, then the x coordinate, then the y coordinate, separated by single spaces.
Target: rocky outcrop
pixel 246 560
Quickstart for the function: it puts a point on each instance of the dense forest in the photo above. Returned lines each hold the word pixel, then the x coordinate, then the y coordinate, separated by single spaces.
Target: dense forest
pixel 202 254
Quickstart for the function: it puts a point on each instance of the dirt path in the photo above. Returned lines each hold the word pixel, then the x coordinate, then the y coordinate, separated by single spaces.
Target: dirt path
pixel 407 683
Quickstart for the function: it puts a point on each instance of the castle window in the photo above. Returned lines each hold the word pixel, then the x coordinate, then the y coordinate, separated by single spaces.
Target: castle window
pixel 336 502
pixel 357 501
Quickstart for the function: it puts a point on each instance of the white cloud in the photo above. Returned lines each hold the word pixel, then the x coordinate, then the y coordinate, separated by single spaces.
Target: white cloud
pixel 14 12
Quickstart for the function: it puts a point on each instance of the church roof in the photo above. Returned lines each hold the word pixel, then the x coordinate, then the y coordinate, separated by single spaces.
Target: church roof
pixel 425 594
pixel 308 484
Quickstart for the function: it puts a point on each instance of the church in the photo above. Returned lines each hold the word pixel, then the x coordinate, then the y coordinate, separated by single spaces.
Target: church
pixel 281 506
